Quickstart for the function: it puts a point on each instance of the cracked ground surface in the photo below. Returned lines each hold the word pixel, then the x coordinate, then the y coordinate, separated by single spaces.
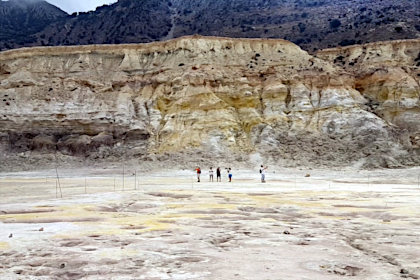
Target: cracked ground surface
pixel 332 225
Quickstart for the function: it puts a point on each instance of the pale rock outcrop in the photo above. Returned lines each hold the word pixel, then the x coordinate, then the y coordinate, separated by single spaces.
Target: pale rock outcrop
pixel 221 99
pixel 387 74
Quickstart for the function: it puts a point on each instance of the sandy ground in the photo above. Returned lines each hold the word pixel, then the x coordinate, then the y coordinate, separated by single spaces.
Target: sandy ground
pixel 331 225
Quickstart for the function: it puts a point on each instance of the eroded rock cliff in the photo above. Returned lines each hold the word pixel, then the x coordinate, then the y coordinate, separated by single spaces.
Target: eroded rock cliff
pixel 213 99
pixel 387 74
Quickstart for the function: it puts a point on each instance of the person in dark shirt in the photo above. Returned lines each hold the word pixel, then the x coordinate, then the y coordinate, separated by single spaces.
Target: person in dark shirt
pixel 218 175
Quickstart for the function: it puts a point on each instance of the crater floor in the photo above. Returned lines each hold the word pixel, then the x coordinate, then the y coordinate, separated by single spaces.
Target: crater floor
pixel 331 225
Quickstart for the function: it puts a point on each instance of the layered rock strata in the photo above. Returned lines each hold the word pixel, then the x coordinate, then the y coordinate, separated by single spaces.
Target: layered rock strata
pixel 221 99
pixel 387 74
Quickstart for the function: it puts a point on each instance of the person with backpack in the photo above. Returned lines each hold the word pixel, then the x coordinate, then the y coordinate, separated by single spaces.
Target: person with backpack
pixel 218 175
pixel 262 172
pixel 198 170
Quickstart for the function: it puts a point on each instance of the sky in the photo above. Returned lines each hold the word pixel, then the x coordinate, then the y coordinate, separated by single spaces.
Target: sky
pixel 71 6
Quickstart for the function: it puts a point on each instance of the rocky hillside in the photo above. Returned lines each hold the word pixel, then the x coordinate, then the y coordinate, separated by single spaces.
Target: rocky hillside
pixel 310 24
pixel 21 19
pixel 210 99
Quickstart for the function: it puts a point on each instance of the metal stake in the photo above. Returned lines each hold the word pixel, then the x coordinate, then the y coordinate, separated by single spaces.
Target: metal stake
pixel 123 177
pixel 58 181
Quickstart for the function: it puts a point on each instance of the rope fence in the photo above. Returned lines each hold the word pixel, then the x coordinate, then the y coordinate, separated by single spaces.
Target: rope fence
pixel 62 186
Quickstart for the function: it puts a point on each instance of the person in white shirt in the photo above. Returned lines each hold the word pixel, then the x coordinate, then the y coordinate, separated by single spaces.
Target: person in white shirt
pixel 262 172
pixel 211 174
pixel 229 171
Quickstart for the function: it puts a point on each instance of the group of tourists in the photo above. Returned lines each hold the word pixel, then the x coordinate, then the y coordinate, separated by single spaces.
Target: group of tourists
pixel 218 174
pixel 229 174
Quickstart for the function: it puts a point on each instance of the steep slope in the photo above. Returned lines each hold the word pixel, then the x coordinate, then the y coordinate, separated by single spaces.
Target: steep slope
pixel 198 98
pixel 124 22
pixel 21 19
pixel 310 24
pixel 388 75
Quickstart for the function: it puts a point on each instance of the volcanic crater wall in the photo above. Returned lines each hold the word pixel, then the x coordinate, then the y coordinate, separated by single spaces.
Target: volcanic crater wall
pixel 191 98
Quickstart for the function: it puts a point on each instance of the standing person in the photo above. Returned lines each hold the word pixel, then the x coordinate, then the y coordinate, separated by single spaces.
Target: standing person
pixel 262 172
pixel 218 175
pixel 198 169
pixel 211 174
pixel 229 174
